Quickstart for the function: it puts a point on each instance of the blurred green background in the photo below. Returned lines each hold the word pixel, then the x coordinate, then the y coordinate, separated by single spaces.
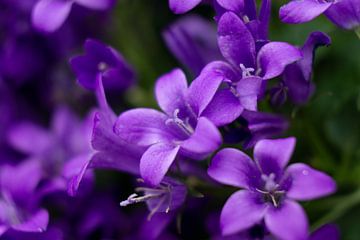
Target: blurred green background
pixel 327 128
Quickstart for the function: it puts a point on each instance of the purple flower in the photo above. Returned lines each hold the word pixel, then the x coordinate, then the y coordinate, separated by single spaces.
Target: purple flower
pixel 187 127
pixel 192 40
pixel 106 61
pixel 269 190
pixel 238 47
pixel 19 209
pixel 297 82
pixel 343 13
pixel 167 196
pixel 49 15
pixel 108 150
pixel 61 151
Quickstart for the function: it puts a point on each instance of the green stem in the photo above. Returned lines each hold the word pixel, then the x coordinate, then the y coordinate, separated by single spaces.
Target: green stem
pixel 357 32
pixel 346 203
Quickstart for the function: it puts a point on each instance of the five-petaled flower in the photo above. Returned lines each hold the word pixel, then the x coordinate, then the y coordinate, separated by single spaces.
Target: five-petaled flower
pixel 269 190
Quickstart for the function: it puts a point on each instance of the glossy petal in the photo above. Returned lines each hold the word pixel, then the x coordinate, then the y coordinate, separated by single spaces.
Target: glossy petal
pixel 274 57
pixel 273 155
pixel 182 6
pixel 96 4
pixel 241 211
pixel 156 161
pixel 299 11
pixel 248 90
pixel 236 6
pixel 193 41
pixel 170 90
pixel 205 140
pixel 220 115
pixel 49 15
pixel 345 14
pixel 287 221
pixel 233 167
pixel 235 41
pixel 142 126
pixel 203 89
pixel 308 183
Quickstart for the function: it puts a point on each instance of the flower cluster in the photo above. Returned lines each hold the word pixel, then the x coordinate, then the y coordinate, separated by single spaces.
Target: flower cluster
pixel 218 123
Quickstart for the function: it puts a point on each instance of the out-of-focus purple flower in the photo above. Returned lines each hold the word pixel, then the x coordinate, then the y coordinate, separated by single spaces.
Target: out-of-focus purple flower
pixel 253 126
pixel 62 150
pixel 192 40
pixel 167 196
pixel 49 15
pixel 343 13
pixel 188 126
pixel 19 202
pixel 105 60
pixel 270 190
pixel 297 82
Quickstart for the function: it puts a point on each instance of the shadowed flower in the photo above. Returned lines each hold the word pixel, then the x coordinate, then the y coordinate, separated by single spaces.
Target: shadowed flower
pixel 104 60
pixel 297 77
pixel 269 189
pixel 49 15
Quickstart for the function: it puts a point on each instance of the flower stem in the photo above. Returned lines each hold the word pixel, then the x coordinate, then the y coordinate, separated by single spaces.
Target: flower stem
pixel 346 204
pixel 357 31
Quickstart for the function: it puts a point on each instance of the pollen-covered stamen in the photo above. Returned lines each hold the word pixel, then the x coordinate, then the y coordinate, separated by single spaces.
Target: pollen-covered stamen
pixel 183 125
pixel 134 198
pixel 271 192
pixel 246 72
pixel 162 193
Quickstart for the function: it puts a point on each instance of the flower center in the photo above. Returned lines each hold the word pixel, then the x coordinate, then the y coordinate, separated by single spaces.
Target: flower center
pixel 184 126
pixel 246 72
pixel 271 190
pixel 102 66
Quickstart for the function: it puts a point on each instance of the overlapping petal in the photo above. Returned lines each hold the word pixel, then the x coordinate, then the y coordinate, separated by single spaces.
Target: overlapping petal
pixel 235 41
pixel 143 126
pixel 233 167
pixel 242 210
pixel 170 91
pixel 205 140
pixel 274 57
pixel 156 161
